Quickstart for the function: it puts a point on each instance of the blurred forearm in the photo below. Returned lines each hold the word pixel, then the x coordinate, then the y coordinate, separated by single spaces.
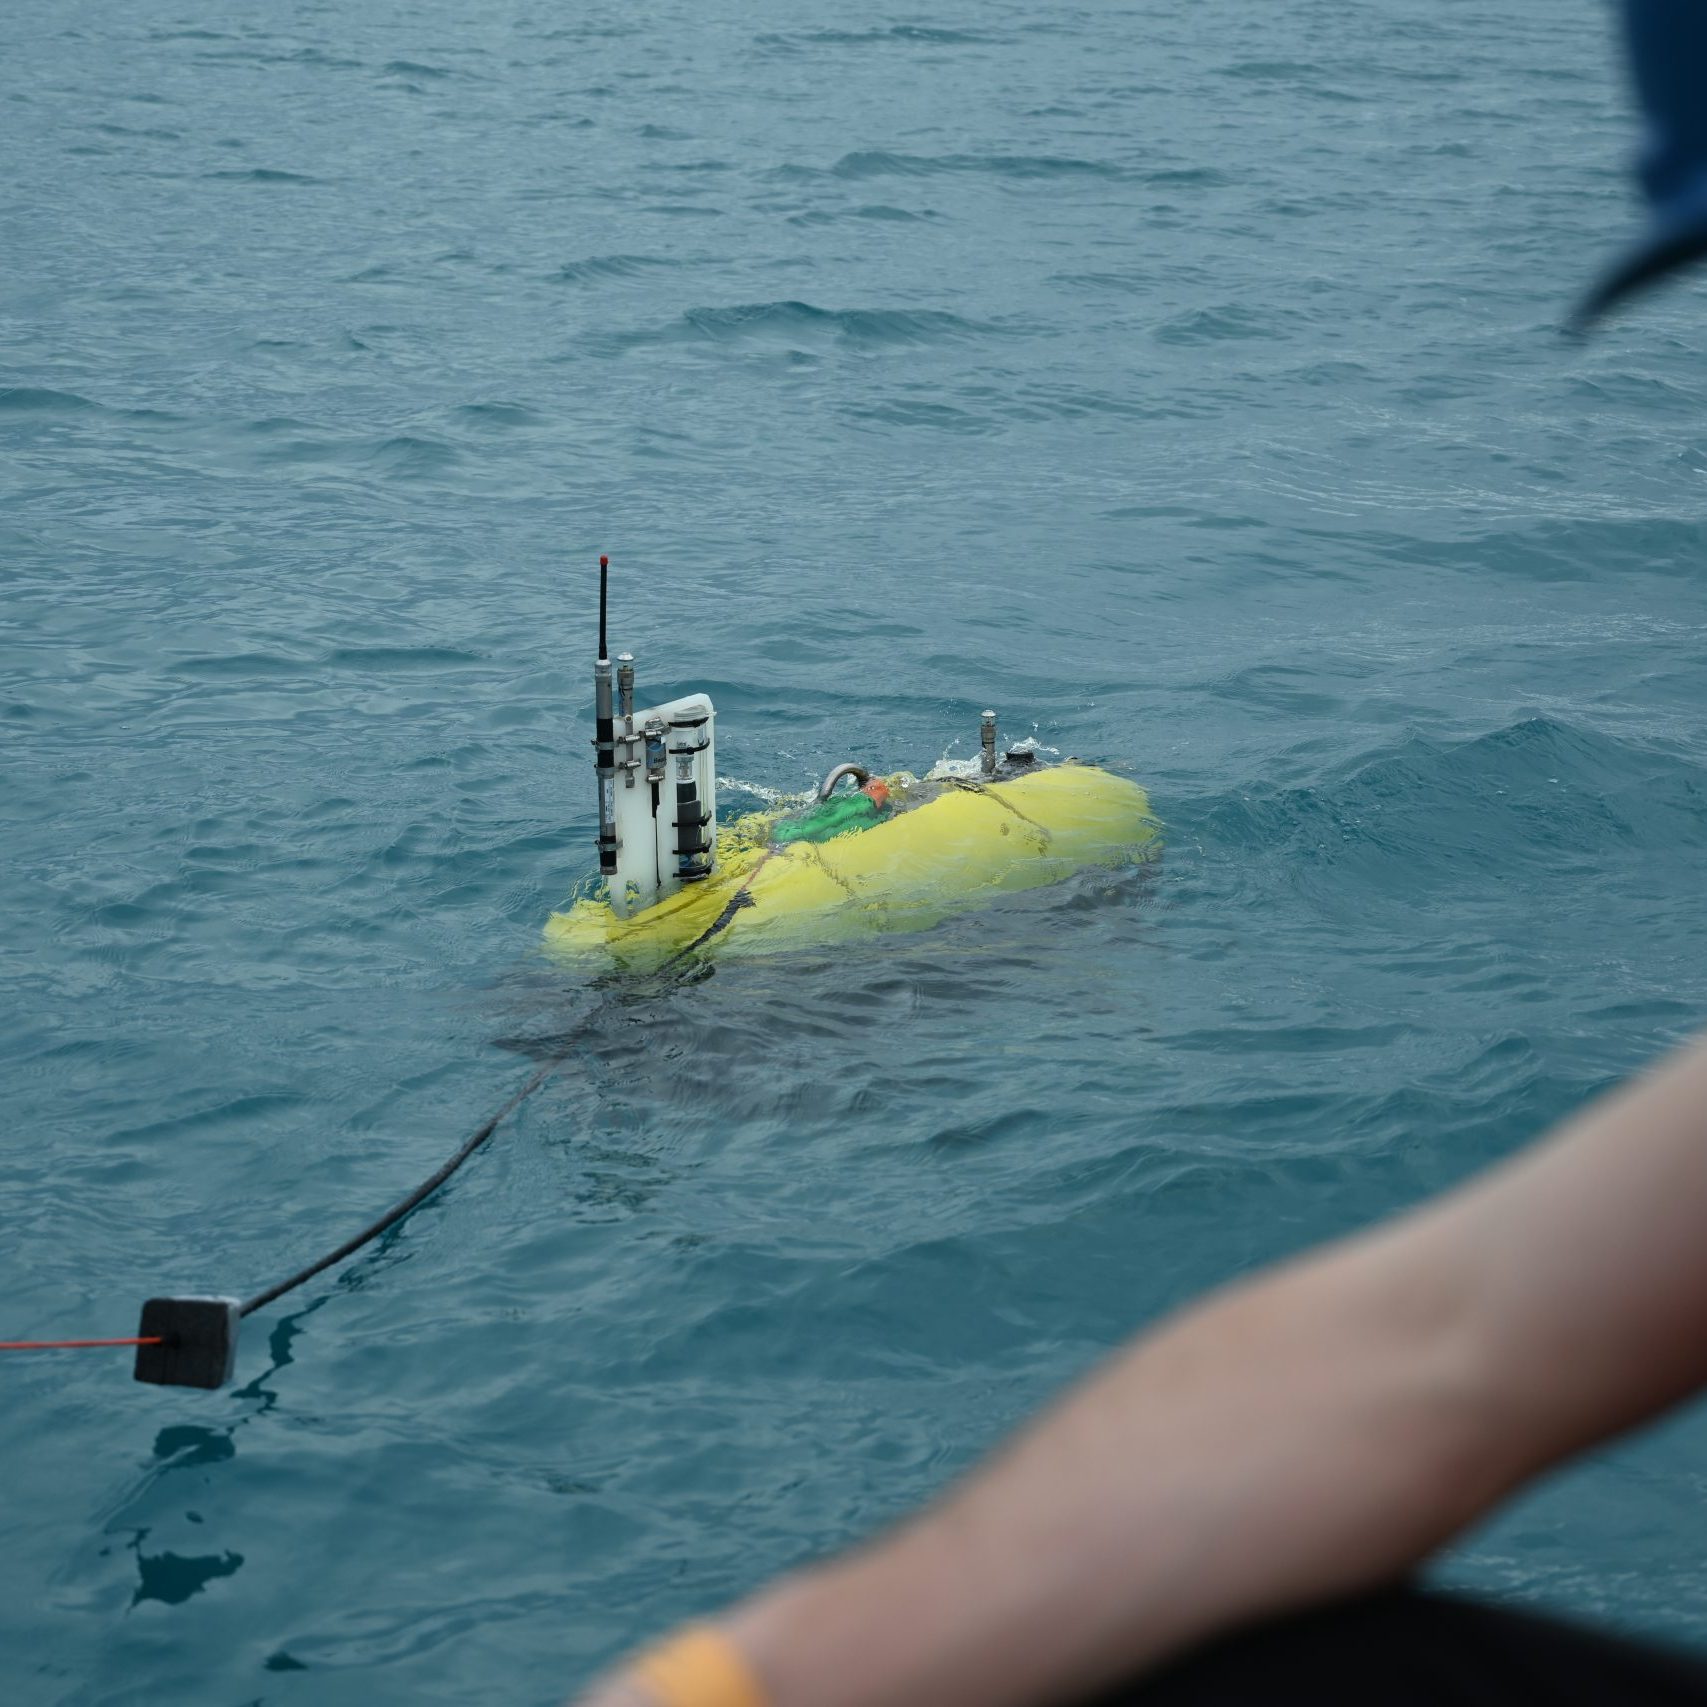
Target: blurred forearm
pixel 1305 1434
pixel 1283 1442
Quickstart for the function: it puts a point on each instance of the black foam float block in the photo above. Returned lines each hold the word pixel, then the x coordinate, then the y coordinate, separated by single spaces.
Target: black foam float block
pixel 199 1341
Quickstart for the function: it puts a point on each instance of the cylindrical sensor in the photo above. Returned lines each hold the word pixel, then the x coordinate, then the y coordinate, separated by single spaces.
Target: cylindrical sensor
pixel 604 762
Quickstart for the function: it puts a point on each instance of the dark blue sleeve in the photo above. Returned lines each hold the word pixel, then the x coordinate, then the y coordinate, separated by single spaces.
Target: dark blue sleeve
pixel 1667 42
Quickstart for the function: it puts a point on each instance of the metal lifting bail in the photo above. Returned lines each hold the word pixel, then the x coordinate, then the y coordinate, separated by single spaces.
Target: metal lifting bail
pixel 828 786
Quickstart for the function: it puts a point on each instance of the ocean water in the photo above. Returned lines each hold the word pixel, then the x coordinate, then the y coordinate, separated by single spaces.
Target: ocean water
pixel 1182 380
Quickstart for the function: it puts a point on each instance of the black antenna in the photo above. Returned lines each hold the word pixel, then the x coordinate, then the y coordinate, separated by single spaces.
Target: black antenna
pixel 604 594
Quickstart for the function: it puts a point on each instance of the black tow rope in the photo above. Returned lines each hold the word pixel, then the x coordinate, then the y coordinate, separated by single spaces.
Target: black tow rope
pixel 741 898
pixel 192 1342
pixel 418 1196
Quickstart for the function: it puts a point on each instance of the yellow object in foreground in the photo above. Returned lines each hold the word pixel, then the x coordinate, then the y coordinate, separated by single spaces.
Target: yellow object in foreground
pixel 698 1667
pixel 972 841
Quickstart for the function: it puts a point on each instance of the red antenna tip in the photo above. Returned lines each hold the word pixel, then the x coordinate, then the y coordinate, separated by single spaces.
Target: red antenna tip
pixel 604 563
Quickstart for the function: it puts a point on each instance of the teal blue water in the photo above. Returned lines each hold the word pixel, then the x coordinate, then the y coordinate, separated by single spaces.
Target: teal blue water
pixel 1181 380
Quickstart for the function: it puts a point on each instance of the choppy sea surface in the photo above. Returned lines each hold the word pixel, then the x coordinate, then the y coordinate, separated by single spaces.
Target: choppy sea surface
pixel 1183 380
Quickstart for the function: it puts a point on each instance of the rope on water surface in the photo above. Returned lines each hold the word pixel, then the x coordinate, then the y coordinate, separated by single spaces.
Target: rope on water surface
pixel 351 1245
pixel 382 1223
pixel 74 1345
pixel 415 1198
pixel 432 1183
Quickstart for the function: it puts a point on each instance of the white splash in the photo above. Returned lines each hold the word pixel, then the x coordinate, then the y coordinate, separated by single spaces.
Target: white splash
pixel 770 796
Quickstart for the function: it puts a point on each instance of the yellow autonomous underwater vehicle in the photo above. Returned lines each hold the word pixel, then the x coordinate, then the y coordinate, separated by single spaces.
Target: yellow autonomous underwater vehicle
pixel 889 853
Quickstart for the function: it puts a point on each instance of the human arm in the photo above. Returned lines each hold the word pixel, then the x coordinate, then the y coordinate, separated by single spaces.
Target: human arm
pixel 1304 1434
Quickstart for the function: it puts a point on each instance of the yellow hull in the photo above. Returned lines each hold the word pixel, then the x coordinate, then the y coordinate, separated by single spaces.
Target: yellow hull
pixel 969 843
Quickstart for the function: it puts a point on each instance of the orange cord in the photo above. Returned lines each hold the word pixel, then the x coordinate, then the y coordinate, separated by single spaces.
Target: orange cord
pixel 72 1345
